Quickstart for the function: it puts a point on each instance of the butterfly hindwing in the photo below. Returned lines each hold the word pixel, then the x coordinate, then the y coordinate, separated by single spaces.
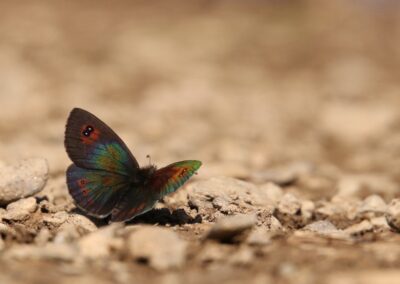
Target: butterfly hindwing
pixel 95 191
pixel 164 181
pixel 135 202
pixel 91 144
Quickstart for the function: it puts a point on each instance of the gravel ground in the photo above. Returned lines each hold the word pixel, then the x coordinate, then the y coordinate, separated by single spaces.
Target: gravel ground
pixel 292 106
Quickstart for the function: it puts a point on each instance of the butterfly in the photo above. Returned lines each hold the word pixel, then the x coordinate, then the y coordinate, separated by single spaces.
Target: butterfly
pixel 105 178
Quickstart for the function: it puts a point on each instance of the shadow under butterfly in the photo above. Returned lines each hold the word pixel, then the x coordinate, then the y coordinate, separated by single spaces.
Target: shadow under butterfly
pixel 106 180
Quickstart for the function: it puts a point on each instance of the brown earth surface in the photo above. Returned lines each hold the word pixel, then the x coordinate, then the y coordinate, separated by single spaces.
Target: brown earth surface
pixel 292 106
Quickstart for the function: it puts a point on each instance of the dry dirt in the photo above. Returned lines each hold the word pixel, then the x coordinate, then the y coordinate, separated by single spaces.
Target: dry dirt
pixel 292 106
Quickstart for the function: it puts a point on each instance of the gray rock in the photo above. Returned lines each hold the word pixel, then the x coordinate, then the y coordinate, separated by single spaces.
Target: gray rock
pixel 231 228
pixel 213 252
pixel 380 223
pixel 393 214
pixel 354 185
pixel 321 227
pixel 21 209
pixel 307 210
pixel 244 256
pixel 67 233
pixel 293 212
pixel 326 229
pixel 272 192
pixel 43 237
pixel 360 230
pixel 260 236
pixel 55 219
pixel 226 196
pixel 24 179
pixel 98 244
pixel 373 204
pixel 51 251
pixel 289 205
pixel 160 247
pixel 4 229
pixel 274 225
pixel 340 209
pixel 82 224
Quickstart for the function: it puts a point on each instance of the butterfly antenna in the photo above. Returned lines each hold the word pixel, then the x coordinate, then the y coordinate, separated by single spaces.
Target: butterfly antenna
pixel 149 157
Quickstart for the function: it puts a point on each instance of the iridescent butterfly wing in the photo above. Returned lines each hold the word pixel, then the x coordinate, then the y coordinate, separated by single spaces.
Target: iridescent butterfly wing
pixel 164 181
pixel 103 166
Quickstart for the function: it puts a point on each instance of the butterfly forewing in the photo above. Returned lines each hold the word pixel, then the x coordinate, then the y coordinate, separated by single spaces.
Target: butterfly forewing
pixel 91 144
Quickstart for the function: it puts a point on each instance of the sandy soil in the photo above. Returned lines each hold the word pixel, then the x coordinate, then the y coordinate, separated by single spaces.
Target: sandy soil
pixel 300 95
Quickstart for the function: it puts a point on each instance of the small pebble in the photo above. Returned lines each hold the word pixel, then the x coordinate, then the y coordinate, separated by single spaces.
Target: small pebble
pixel 231 228
pixel 43 237
pixel 289 205
pixel 360 230
pixel 273 192
pixel 242 257
pixel 260 236
pixel 393 214
pixel 289 211
pixel 325 228
pixel 21 209
pixel 373 204
pixel 82 224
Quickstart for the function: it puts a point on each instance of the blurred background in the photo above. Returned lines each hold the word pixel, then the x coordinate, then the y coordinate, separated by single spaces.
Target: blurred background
pixel 247 87
pixel 241 85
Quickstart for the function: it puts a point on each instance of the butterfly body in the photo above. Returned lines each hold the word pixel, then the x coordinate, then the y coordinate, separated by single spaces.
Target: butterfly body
pixel 106 179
